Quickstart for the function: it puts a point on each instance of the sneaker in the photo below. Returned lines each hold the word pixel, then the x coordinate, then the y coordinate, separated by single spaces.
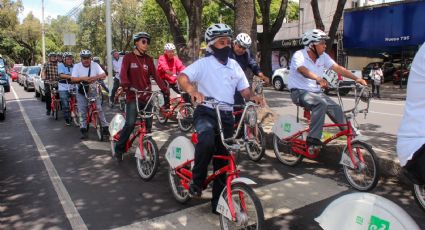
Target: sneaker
pixel 194 190
pixel 48 112
pixel 314 145
pixel 84 133
pixel 67 122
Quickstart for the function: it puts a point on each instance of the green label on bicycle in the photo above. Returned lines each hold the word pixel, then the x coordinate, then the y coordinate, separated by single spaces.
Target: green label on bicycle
pixel 287 127
pixel 359 220
pixel 178 153
pixel 377 223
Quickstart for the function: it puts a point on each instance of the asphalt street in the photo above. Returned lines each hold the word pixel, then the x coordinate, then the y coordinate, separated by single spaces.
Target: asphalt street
pixel 50 179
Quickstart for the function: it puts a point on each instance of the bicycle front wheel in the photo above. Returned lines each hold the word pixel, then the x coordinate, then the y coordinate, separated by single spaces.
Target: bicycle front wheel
pixel 180 193
pixel 284 153
pixel 75 116
pixel 419 192
pixel 56 110
pixel 256 142
pixel 147 165
pixel 248 209
pixel 365 176
pixel 185 118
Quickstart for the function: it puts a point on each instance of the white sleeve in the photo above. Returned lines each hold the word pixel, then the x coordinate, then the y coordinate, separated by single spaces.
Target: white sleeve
pixel 243 81
pixel 193 70
pixel 97 69
pixel 329 62
pixel 297 60
pixel 75 71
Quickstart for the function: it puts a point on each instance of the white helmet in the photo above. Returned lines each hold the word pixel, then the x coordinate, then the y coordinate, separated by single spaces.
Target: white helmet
pixel 243 40
pixel 169 46
pixel 217 30
pixel 85 53
pixel 313 36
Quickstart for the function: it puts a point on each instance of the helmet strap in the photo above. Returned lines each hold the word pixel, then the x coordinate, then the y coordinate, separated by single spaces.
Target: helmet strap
pixel 315 51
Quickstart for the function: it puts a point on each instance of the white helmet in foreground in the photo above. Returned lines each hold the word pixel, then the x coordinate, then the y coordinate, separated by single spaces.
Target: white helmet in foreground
pixel 314 36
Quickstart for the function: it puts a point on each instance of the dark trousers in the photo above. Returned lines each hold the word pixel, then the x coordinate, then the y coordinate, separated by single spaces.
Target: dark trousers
pixel 416 166
pixel 209 144
pixel 175 88
pixel 48 97
pixel 130 120
pixel 114 89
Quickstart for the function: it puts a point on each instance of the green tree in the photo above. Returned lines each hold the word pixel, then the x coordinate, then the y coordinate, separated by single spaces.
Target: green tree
pixel 27 35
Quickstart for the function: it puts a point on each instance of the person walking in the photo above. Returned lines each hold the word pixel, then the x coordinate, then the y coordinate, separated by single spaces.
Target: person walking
pixel 377 78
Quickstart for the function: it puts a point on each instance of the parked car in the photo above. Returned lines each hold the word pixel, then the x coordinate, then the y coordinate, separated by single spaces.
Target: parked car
pixel 332 79
pixel 21 75
pixel 4 81
pixel 15 71
pixel 2 104
pixel 280 78
pixel 29 77
pixel 398 74
pixel 39 87
pixel 388 69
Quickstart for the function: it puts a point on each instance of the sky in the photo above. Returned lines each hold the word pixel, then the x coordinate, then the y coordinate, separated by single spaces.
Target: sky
pixel 52 8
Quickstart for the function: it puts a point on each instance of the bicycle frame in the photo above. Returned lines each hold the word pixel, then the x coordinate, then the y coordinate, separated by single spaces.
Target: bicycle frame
pixel 54 98
pixel 173 106
pixel 92 113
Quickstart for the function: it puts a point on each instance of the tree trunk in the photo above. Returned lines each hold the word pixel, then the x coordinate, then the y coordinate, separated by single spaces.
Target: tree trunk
pixel 195 33
pixel 335 23
pixel 266 53
pixel 317 19
pixel 244 16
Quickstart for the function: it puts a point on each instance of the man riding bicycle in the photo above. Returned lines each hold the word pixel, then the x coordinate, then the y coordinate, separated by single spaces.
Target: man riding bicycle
pixel 169 65
pixel 88 72
pixel 50 75
pixel 65 71
pixel 216 76
pixel 116 69
pixel 136 71
pixel 411 134
pixel 305 82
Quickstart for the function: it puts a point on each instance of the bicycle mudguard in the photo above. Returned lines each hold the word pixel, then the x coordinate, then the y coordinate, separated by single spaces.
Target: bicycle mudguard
pixel 243 180
pixel 116 125
pixel 179 151
pixel 223 208
pixel 286 126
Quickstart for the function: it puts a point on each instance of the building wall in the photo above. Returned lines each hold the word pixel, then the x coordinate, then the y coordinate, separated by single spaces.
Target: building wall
pixel 357 63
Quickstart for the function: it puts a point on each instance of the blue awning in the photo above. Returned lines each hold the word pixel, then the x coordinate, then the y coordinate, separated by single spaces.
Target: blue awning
pixel 387 28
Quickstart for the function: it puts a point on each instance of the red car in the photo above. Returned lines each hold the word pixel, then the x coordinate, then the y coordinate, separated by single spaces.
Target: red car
pixel 14 73
pixel 397 75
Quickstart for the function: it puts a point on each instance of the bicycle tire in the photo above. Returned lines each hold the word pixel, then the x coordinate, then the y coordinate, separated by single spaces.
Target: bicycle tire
pixel 290 158
pixel 243 220
pixel 148 167
pixel 257 149
pixel 358 172
pixel 419 194
pixel 75 116
pixel 121 104
pixel 56 110
pixel 161 117
pixel 179 192
pixel 99 128
pixel 185 118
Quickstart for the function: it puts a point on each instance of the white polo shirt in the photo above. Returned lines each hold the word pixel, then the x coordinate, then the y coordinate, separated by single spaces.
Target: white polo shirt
pixel 217 80
pixel 411 133
pixel 300 58
pixel 80 71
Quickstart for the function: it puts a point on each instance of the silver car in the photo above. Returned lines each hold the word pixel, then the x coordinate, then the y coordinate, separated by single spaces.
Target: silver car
pixel 39 87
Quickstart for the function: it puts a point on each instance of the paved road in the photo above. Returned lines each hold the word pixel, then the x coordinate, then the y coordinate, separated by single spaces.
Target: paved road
pixel 49 179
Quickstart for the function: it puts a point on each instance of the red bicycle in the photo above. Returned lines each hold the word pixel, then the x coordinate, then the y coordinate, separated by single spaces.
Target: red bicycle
pixel 120 98
pixel 93 113
pixel 73 109
pixel 179 109
pixel 238 205
pixel 146 150
pixel 55 100
pixel 358 159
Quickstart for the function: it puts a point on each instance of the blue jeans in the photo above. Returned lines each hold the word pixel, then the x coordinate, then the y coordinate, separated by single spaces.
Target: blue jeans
pixel 82 104
pixel 209 144
pixel 64 97
pixel 130 120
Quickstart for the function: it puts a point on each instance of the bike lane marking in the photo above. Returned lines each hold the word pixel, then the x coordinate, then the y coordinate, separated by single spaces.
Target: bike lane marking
pixel 277 199
pixel 68 205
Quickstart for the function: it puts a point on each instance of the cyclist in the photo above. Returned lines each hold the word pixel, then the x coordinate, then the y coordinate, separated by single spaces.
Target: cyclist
pixel 305 83
pixel 102 83
pixel 169 65
pixel 216 76
pixel 59 57
pixel 116 65
pixel 136 71
pixel 65 70
pixel 49 75
pixel 88 72
pixel 411 134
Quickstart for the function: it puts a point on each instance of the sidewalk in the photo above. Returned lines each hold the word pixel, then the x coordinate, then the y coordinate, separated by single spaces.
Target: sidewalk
pixel 388 162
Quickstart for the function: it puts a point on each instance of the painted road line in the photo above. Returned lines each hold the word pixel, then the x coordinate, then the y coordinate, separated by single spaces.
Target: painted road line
pixel 277 199
pixel 68 206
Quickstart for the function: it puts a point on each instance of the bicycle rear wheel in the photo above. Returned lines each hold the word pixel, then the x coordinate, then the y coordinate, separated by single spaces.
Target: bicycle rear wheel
pixel 185 118
pixel 148 166
pixel 366 175
pixel 419 193
pixel 256 142
pixel 99 128
pixel 180 193
pixel 56 110
pixel 249 212
pixel 284 153
pixel 75 116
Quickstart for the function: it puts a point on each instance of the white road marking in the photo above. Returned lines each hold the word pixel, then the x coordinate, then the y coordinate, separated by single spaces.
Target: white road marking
pixel 277 199
pixel 68 205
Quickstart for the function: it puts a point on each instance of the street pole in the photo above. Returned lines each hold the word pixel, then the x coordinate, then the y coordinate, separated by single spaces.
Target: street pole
pixel 109 43
pixel 43 42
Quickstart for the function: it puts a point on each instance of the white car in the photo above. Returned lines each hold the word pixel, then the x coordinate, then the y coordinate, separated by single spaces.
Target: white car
pixel 332 78
pixel 39 87
pixel 280 78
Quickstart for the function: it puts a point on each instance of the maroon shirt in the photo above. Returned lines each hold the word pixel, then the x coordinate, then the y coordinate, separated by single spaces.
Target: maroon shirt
pixel 136 72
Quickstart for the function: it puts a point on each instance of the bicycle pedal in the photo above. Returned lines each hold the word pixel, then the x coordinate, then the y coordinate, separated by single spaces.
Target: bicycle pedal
pixel 312 150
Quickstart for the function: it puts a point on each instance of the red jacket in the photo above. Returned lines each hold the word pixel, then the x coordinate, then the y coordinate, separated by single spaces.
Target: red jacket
pixel 136 72
pixel 174 65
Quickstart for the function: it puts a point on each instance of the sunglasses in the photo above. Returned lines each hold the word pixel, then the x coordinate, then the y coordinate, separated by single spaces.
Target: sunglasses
pixel 144 41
